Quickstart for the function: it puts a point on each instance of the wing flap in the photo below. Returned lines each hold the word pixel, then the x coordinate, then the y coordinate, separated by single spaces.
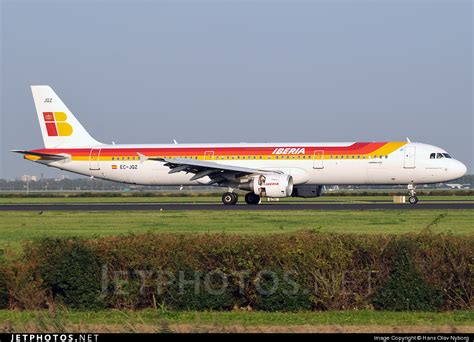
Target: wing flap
pixel 218 173
pixel 204 165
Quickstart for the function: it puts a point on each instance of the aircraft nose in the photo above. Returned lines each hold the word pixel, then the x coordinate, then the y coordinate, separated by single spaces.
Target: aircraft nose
pixel 459 169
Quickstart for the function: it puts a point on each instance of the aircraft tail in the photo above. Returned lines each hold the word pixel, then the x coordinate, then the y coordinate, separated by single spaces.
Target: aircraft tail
pixel 59 126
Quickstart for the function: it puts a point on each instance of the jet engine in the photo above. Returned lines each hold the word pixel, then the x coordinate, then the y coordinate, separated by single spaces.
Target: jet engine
pixel 270 185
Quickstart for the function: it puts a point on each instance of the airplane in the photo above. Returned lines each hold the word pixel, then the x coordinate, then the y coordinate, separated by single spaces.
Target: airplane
pixel 458 186
pixel 273 170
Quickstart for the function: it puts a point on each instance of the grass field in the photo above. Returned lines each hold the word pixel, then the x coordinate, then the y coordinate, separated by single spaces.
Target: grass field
pixel 18 226
pixel 217 199
pixel 25 225
pixel 164 321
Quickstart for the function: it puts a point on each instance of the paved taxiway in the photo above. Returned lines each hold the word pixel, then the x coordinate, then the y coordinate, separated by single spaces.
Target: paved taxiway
pixel 267 206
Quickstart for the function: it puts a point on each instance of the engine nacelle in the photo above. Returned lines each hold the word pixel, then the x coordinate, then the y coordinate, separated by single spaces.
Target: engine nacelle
pixel 272 185
pixel 307 191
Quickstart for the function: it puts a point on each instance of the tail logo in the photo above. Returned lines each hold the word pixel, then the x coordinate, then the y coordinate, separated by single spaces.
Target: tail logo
pixel 56 124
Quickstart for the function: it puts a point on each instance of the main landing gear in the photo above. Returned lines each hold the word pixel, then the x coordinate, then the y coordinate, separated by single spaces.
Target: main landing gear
pixel 252 198
pixel 412 199
pixel 230 198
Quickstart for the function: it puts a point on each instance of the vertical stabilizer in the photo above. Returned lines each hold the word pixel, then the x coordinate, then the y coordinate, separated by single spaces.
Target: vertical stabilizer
pixel 59 126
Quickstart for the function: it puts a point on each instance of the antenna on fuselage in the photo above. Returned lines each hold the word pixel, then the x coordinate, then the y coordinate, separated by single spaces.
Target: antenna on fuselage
pixel 408 139
pixel 175 142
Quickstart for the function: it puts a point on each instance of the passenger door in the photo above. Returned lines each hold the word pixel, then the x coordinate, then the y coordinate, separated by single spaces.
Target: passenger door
pixel 94 159
pixel 409 159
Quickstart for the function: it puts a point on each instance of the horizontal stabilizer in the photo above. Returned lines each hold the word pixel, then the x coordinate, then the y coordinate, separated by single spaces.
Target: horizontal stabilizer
pixel 45 156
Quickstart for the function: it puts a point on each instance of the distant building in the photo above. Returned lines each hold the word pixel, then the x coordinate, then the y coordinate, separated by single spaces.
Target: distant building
pixel 60 178
pixel 28 178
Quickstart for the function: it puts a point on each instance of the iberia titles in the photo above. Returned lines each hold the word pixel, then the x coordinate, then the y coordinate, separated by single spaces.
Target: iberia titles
pixel 288 150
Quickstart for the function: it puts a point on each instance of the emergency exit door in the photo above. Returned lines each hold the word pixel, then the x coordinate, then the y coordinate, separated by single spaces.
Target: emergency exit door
pixel 318 159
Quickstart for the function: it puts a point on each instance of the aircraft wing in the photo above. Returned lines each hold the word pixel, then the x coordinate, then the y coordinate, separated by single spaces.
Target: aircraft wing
pixel 218 173
pixel 45 156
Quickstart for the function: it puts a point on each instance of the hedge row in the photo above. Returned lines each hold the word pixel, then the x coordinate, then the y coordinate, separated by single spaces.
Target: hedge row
pixel 282 272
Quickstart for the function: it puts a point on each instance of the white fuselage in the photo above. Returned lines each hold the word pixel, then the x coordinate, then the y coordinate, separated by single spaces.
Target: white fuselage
pixel 307 163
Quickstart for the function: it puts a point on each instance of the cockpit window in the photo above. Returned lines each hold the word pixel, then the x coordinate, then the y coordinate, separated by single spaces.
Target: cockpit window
pixel 440 156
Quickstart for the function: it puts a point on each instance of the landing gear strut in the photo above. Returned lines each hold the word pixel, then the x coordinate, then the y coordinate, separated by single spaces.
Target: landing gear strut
pixel 229 198
pixel 412 199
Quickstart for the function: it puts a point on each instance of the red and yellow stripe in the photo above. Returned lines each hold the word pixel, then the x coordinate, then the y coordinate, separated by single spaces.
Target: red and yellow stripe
pixel 362 149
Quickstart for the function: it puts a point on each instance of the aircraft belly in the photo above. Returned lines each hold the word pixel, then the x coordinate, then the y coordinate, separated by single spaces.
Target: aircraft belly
pixel 333 172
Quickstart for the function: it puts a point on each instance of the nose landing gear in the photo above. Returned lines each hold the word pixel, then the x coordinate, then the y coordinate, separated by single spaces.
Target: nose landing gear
pixel 412 199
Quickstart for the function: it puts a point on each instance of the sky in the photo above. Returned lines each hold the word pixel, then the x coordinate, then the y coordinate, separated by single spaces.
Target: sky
pixel 233 71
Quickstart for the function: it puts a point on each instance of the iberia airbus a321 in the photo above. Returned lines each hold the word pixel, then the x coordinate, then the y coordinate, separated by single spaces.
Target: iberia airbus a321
pixel 264 170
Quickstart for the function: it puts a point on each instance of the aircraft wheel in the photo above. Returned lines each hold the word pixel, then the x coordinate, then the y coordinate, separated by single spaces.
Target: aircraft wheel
pixel 236 197
pixel 413 200
pixel 251 198
pixel 229 198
